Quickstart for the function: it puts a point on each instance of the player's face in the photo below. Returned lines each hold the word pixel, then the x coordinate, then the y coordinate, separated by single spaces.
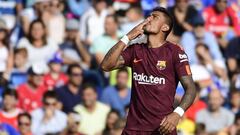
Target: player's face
pixel 155 24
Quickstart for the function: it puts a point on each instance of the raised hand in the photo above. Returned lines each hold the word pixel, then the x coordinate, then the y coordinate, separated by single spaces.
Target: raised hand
pixel 138 30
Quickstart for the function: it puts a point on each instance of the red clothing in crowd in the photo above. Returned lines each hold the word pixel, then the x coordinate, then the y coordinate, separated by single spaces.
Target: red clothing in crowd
pixel 194 108
pixel 219 23
pixel 10 118
pixel 30 99
pixel 51 83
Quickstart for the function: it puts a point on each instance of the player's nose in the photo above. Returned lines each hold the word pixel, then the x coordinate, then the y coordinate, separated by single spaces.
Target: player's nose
pixel 149 18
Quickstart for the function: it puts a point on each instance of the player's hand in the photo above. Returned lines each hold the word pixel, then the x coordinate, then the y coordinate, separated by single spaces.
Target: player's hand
pixel 169 123
pixel 138 30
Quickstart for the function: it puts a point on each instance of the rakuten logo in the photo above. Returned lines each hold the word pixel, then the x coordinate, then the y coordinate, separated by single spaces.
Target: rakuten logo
pixel 149 80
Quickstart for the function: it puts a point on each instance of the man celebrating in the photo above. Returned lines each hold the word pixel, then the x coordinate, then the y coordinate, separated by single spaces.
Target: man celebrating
pixel 157 67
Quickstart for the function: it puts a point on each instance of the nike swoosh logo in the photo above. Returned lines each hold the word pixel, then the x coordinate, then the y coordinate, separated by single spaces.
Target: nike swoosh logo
pixel 136 61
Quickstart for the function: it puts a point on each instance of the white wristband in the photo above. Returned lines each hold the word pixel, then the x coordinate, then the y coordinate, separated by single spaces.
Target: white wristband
pixel 179 111
pixel 125 39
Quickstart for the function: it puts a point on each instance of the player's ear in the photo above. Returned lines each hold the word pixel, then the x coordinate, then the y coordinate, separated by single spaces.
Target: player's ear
pixel 165 27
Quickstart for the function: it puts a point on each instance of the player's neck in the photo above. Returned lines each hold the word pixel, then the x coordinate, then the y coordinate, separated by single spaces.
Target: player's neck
pixel 155 41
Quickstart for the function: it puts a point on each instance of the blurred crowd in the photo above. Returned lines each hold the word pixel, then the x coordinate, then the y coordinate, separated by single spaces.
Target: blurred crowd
pixel 50 52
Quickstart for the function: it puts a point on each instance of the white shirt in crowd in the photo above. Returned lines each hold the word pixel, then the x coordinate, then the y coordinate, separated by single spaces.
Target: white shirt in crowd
pixel 38 55
pixel 3 58
pixel 54 125
pixel 92 24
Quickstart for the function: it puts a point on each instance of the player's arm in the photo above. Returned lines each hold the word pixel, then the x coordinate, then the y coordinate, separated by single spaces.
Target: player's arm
pixel 190 92
pixel 113 58
pixel 170 122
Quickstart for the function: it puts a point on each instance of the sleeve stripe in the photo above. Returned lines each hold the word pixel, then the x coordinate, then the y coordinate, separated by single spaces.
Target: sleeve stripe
pixel 188 69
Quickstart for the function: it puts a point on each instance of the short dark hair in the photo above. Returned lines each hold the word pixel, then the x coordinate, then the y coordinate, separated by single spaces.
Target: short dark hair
pixel 10 92
pixel 24 114
pixel 22 51
pixel 168 17
pixel 114 17
pixel 88 85
pixel 50 94
pixel 71 67
pixel 124 69
pixel 136 8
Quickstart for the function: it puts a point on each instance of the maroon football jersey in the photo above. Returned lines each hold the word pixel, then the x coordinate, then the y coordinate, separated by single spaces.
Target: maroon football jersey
pixel 155 76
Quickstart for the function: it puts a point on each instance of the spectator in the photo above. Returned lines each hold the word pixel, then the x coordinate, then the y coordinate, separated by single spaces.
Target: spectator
pixel 6 129
pixel 134 16
pixel 103 43
pixel 55 78
pixel 5 52
pixel 19 72
pixel 200 129
pixel 70 94
pixel 72 48
pixel 118 127
pixel 11 7
pixel 39 47
pixel 216 68
pixel 183 14
pixel 20 60
pixel 93 113
pixel 30 93
pixel 235 101
pixel 218 19
pixel 48 119
pixel 38 10
pixel 92 21
pixel 235 128
pixel 190 39
pixel 74 120
pixel 24 123
pixel 215 117
pixel 77 7
pixel 233 56
pixel 56 21
pixel 10 10
pixel 112 118
pixel 197 106
pixel 10 111
pixel 118 96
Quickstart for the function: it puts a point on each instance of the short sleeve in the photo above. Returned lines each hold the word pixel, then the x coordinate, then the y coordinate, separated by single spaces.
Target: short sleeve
pixel 127 55
pixel 181 64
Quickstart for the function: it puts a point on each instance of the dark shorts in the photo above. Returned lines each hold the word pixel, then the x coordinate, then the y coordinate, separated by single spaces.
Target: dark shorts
pixel 133 132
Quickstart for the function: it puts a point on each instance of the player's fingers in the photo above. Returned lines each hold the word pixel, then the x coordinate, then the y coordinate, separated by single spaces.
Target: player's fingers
pixel 165 128
pixel 163 120
pixel 146 21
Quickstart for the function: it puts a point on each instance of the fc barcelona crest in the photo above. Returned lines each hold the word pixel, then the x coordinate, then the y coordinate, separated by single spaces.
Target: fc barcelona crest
pixel 161 65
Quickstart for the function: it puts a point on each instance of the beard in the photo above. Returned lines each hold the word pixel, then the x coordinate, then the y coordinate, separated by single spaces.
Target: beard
pixel 148 31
